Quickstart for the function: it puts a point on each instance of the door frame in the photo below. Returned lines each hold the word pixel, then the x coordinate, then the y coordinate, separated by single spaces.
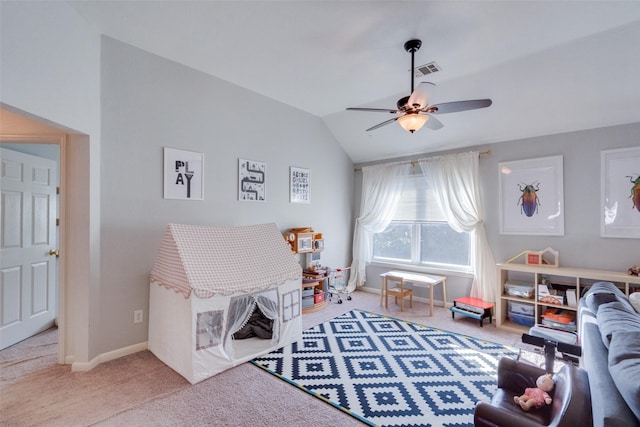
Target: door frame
pixel 61 141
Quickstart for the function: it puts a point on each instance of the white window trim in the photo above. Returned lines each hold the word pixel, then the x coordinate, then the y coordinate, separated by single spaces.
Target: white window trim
pixel 417 266
pixel 421 268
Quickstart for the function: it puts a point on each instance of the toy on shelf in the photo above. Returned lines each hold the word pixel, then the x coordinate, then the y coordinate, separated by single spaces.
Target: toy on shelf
pixel 539 257
pixel 304 240
pixel 290 238
pixel 634 270
pixel 339 283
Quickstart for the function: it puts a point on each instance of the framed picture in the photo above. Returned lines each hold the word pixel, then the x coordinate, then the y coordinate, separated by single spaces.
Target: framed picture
pixel 620 188
pixel 299 185
pixel 183 174
pixel 531 197
pixel 252 181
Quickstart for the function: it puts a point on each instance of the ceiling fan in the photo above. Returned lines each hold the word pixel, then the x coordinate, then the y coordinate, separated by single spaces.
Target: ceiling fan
pixel 414 111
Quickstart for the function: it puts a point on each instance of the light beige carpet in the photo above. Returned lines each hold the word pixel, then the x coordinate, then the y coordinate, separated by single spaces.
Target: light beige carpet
pixel 139 390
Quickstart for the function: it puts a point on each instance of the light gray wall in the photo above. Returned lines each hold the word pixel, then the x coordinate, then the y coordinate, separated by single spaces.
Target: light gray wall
pixel 50 72
pixel 149 103
pixel 581 246
pixel 50 63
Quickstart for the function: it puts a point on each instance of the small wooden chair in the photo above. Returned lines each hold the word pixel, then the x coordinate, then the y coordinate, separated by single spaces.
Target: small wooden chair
pixel 397 291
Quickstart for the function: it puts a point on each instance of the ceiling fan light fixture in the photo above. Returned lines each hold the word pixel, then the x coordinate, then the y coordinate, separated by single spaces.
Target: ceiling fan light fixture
pixel 413 122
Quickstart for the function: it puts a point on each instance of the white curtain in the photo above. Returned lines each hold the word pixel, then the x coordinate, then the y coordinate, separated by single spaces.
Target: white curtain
pixel 381 188
pixel 455 179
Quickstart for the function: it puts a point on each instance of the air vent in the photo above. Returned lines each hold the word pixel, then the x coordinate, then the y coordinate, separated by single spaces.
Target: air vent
pixel 425 69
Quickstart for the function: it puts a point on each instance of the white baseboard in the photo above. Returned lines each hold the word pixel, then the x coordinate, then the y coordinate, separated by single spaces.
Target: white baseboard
pixel 115 354
pixel 105 357
pixel 415 298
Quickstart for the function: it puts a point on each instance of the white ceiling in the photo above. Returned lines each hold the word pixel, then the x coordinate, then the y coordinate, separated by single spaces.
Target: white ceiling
pixel 548 66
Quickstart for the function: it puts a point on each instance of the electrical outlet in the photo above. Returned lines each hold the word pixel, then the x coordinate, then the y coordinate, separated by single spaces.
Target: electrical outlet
pixel 137 316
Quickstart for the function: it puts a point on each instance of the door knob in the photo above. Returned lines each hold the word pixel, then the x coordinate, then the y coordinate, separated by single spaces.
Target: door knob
pixel 54 252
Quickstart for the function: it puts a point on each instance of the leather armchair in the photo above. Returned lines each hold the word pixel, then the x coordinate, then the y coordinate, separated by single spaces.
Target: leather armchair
pixel 571 405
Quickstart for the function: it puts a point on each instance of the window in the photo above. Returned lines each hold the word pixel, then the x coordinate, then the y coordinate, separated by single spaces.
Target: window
pixel 419 233
pixel 441 244
pixel 394 243
pixel 209 329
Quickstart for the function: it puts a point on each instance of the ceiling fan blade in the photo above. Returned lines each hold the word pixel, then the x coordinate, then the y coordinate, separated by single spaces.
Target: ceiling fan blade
pixel 433 123
pixel 454 107
pixel 421 95
pixel 375 110
pixel 379 125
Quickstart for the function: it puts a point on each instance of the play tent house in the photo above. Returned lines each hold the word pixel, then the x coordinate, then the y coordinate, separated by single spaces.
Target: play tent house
pixel 220 296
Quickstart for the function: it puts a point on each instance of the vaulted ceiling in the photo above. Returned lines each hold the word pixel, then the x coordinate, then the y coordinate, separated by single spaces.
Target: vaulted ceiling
pixel 549 66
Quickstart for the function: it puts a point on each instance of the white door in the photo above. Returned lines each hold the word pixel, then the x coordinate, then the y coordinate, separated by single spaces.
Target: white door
pixel 28 270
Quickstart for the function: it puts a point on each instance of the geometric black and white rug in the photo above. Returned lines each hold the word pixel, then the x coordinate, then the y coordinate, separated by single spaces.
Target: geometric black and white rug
pixel 390 372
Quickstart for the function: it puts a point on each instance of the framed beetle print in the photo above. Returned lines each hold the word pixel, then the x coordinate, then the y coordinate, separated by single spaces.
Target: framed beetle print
pixel 620 193
pixel 531 197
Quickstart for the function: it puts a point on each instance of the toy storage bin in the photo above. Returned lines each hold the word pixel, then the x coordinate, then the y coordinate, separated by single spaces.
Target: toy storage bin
pixel 560 319
pixel 567 327
pixel 519 289
pixel 521 313
pixel 307 301
pixel 318 297
pixel 521 308
pixel 522 319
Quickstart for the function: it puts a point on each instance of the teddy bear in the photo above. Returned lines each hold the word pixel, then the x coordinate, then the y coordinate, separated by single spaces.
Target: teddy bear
pixel 536 397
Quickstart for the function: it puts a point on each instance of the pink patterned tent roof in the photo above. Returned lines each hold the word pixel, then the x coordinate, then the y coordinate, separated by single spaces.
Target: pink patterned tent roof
pixel 212 260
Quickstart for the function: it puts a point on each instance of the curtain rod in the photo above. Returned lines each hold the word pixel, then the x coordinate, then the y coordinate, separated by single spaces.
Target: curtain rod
pixel 413 162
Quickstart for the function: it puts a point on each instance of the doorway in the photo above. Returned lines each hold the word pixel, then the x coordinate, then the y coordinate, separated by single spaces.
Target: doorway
pixel 47 141
pixel 29 248
pixel 78 243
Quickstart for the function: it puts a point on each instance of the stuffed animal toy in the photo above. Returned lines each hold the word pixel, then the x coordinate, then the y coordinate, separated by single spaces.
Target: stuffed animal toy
pixel 536 397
